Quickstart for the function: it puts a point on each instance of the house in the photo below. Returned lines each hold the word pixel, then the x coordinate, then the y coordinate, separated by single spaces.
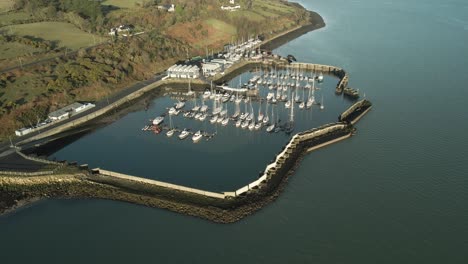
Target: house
pixel 115 31
pixel 230 8
pixel 168 8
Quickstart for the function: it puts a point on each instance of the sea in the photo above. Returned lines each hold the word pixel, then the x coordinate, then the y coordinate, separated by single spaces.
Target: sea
pixel 396 192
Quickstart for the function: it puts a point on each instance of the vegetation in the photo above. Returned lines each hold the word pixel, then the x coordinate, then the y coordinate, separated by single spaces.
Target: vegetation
pixel 91 74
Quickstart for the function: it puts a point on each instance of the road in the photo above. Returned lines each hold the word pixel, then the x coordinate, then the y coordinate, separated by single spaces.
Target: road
pixel 5 146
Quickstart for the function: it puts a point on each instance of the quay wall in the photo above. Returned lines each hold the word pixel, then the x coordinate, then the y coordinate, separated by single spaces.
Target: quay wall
pixel 160 184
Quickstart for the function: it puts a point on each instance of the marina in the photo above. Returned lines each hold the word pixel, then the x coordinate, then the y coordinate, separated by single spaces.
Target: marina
pixel 231 138
pixel 251 105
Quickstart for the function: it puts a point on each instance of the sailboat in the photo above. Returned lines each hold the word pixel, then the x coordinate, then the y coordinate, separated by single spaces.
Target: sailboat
pixel 260 114
pixel 171 130
pixel 189 92
pixel 297 98
pixel 321 104
pixel 214 119
pixel 311 98
pixel 302 104
pixel 271 127
pixel 266 119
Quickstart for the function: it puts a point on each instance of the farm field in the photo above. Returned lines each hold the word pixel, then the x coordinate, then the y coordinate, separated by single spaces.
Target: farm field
pixel 66 34
pixel 122 3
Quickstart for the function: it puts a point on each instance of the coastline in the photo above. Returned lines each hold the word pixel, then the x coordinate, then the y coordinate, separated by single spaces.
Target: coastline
pixel 85 185
pixel 232 213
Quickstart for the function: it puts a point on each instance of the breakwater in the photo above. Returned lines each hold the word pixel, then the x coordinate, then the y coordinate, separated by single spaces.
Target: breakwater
pixel 355 112
pixel 226 207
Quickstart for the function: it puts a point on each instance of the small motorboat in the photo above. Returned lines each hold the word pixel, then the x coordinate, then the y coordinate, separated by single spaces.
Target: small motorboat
pixel 197 136
pixel 184 134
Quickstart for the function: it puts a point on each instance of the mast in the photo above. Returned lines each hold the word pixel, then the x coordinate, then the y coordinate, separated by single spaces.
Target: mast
pixel 291 117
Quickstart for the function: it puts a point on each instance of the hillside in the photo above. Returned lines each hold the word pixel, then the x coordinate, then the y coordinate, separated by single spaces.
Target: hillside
pixel 194 27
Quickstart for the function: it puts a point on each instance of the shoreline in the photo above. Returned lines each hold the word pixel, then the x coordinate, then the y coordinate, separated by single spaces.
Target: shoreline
pixel 227 211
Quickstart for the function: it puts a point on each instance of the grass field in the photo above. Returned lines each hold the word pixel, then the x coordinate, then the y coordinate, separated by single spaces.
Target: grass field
pixel 8 18
pixel 66 34
pixel 122 3
pixel 13 50
pixel 5 5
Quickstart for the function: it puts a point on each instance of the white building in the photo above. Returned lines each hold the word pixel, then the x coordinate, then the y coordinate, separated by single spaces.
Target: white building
pixel 168 8
pixel 23 131
pixel 231 8
pixel 210 69
pixel 69 110
pixel 183 71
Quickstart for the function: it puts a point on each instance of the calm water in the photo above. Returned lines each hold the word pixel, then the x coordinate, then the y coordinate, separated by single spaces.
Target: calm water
pixel 395 193
pixel 227 162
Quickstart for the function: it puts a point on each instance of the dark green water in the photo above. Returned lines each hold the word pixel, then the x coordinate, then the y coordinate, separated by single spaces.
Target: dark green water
pixel 395 193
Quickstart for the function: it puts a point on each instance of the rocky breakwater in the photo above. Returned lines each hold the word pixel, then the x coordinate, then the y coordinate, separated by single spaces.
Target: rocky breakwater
pixel 353 114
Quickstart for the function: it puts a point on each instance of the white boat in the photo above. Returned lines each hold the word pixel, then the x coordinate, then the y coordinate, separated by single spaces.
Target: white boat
pixel 225 121
pixel 301 105
pixel 214 119
pixel 258 125
pixel 197 136
pixel 321 104
pixel 238 123
pixel 270 128
pixel 197 116
pixel 172 111
pixel 243 116
pixel 269 96
pixel 195 108
pixel 320 78
pixel 206 94
pixel 266 119
pixel 251 125
pixel 220 119
pixel 179 105
pixel 158 120
pixel 223 112
pixel 245 124
pixel 287 104
pixel 204 108
pixel 184 134
pixel 170 132
pixel 203 117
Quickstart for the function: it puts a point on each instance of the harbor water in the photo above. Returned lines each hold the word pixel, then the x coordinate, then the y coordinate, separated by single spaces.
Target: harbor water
pixel 394 193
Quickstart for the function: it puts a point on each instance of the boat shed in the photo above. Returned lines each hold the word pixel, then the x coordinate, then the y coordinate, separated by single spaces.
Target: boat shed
pixel 183 71
pixel 69 110
pixel 210 69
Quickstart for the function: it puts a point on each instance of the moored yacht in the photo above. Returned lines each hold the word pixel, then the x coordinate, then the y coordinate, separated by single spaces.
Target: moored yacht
pixel 184 134
pixel 214 119
pixel 197 136
pixel 158 120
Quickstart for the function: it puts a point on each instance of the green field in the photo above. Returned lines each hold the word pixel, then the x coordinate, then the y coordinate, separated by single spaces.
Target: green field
pixel 221 27
pixel 66 34
pixel 5 5
pixel 122 3
pixel 8 18
pixel 14 50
